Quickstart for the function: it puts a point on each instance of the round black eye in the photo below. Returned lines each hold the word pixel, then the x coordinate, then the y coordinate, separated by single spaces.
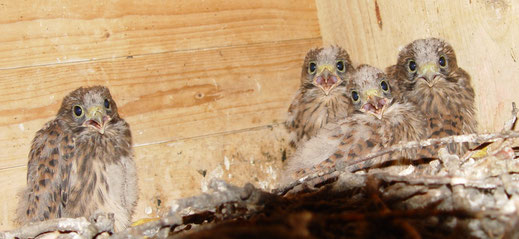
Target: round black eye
pixel 355 96
pixel 412 66
pixel 78 111
pixel 442 61
pixel 384 86
pixel 107 104
pixel 340 66
pixel 312 67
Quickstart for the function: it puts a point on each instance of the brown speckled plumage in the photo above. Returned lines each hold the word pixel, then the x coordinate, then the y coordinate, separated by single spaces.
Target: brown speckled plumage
pixel 314 104
pixel 438 87
pixel 379 120
pixel 81 165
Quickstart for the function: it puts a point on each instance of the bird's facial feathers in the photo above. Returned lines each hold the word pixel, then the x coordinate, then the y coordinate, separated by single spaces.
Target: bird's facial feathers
pixel 326 69
pixel 89 108
pixel 427 64
pixel 370 91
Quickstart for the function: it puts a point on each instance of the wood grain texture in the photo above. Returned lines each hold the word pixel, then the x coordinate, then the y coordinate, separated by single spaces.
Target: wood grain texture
pixel 176 169
pixel 184 168
pixel 47 32
pixel 483 33
pixel 205 85
pixel 164 97
pixel 12 181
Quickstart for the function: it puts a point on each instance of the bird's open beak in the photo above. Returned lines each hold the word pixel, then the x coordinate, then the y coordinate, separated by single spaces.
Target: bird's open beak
pixel 429 72
pixel 375 104
pixel 325 79
pixel 97 118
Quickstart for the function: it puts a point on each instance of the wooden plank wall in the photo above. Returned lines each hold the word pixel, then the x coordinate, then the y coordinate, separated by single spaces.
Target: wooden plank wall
pixel 483 33
pixel 204 84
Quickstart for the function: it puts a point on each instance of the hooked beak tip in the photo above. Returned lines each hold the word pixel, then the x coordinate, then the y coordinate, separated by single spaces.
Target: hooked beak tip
pixel 429 80
pixel 327 83
pixel 376 106
pixel 97 120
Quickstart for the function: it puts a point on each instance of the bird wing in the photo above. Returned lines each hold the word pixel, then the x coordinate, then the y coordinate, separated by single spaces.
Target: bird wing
pixel 42 198
pixel 293 122
pixel 313 151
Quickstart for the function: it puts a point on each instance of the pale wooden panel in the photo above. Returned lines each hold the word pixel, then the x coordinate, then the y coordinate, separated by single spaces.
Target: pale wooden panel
pixel 12 181
pixel 172 170
pixel 163 96
pixel 44 32
pixel 483 33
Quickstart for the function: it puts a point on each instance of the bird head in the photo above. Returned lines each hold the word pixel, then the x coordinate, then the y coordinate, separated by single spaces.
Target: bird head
pixel 89 108
pixel 326 69
pixel 370 92
pixel 426 63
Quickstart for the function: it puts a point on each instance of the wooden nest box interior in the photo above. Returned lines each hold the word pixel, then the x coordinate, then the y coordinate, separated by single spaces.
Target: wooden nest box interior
pixel 205 85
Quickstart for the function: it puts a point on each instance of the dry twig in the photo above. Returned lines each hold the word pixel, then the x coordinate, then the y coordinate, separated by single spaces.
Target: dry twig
pixel 356 165
pixel 81 226
pixel 248 197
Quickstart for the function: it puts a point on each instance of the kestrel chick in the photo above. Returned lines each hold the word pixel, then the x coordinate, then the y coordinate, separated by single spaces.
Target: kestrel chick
pixel 427 74
pixel 80 163
pixel 379 120
pixel 322 96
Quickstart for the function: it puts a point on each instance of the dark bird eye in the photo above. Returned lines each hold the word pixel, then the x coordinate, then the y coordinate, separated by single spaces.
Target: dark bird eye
pixel 340 66
pixel 355 96
pixel 312 67
pixel 412 66
pixel 107 104
pixel 78 111
pixel 384 86
pixel 442 61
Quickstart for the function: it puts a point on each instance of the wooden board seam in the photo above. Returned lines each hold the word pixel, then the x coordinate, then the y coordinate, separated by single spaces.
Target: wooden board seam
pixel 212 134
pixel 182 139
pixel 71 62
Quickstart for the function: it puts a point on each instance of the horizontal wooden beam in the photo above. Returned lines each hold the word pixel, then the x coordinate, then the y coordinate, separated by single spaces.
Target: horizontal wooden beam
pixel 48 32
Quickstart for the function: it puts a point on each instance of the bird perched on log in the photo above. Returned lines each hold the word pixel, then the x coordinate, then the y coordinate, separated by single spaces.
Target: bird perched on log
pixel 322 95
pixel 427 75
pixel 380 119
pixel 81 163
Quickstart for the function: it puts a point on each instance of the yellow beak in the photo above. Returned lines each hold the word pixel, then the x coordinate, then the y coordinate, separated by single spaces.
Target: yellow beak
pixel 96 117
pixel 429 72
pixel 325 79
pixel 375 104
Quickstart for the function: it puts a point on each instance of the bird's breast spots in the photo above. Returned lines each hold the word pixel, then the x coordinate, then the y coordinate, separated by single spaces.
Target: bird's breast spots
pixel 41 168
pixel 64 196
pixel 338 155
pixel 370 143
pixel 352 155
